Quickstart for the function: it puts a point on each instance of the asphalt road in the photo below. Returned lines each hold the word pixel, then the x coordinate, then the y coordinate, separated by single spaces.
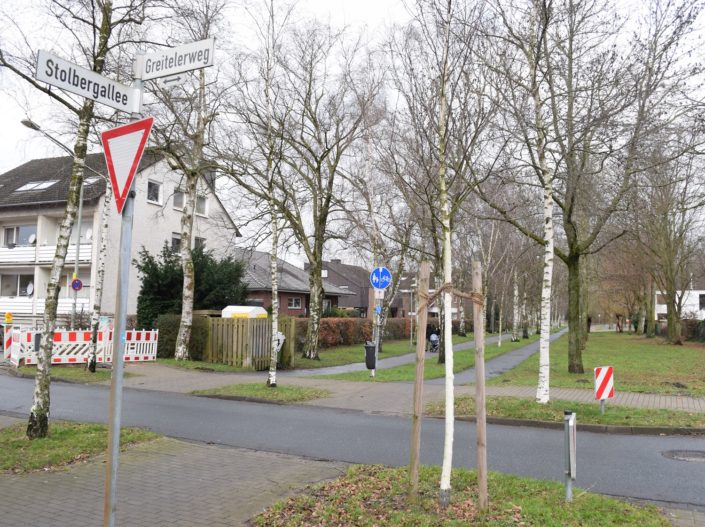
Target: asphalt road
pixel 631 466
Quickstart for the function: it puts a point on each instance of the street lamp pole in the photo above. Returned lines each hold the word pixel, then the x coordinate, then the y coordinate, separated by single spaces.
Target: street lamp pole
pixel 34 126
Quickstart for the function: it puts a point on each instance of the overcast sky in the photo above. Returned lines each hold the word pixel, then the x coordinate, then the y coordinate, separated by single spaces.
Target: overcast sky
pixel 19 144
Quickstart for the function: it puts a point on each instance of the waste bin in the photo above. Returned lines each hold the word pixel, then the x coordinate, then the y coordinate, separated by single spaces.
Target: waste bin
pixel 370 359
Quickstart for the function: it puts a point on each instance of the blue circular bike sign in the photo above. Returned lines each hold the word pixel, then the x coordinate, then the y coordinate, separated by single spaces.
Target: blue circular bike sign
pixel 380 278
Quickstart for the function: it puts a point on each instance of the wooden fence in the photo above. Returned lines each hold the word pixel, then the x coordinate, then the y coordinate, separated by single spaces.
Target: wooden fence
pixel 245 343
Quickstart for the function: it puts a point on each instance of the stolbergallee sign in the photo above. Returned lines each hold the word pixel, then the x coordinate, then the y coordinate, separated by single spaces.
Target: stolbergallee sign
pixel 68 76
pixel 170 61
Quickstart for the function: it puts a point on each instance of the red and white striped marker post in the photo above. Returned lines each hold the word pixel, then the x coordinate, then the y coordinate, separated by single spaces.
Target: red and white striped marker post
pixel 7 342
pixel 604 385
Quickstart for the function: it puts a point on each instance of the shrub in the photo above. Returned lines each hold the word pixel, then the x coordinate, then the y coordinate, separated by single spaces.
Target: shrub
pixel 168 326
pixel 334 312
pixel 217 283
pixel 346 331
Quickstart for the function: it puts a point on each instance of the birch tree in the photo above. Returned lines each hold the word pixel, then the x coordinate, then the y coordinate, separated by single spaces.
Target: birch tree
pixel 184 115
pixel 585 87
pixel 92 34
pixel 325 92
pixel 100 274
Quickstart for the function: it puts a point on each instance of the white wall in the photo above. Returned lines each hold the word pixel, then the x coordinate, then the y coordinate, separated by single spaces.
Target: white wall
pixel 691 305
pixel 154 224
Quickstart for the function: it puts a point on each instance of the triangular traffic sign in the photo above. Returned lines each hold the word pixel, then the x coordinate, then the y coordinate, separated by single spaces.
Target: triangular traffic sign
pixel 123 148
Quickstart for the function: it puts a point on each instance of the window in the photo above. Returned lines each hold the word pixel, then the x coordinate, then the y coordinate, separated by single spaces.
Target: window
pixel 201 205
pixel 36 185
pixel 17 284
pixel 201 202
pixel 154 192
pixel 702 301
pixel 175 242
pixel 20 235
pixel 199 243
pixel 294 302
pixel 178 199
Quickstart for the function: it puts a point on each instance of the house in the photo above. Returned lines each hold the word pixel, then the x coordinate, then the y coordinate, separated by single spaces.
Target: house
pixel 693 305
pixel 356 280
pixel 293 288
pixel 32 203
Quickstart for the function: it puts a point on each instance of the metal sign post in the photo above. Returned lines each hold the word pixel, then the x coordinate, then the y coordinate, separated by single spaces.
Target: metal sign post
pixel 380 278
pixel 122 173
pixel 569 420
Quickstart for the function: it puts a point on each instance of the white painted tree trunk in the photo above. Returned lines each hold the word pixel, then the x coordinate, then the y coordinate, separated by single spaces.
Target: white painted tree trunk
pixel 187 290
pixel 515 314
pixel 499 337
pixel 272 378
pixel 38 424
pixel 444 494
pixel 191 175
pixel 542 390
pixel 100 272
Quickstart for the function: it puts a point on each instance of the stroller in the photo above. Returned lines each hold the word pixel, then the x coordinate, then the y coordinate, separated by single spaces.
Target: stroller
pixel 435 342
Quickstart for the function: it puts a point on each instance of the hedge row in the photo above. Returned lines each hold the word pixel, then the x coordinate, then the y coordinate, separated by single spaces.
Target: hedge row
pixel 348 331
pixel 168 326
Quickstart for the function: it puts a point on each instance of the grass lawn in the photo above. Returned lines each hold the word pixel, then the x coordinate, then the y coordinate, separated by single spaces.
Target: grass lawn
pixel 587 413
pixel 350 354
pixel 71 373
pixel 432 370
pixel 373 496
pixel 67 443
pixel 200 365
pixel 283 394
pixel 640 365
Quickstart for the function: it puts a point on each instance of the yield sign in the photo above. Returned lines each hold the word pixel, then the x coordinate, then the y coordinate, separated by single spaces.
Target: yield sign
pixel 123 148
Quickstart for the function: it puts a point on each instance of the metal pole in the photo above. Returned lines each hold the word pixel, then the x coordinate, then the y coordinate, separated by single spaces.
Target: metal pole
pixel 110 503
pixel 119 336
pixel 78 252
pixel 602 407
pixel 566 443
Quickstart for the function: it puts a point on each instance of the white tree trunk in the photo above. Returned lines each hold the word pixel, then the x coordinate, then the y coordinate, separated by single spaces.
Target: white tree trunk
pixel 192 175
pixel 444 494
pixel 187 291
pixel 542 390
pixel 100 272
pixel 272 378
pixel 515 314
pixel 38 424
pixel 499 338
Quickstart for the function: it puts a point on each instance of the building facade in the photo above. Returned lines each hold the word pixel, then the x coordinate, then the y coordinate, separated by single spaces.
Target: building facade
pixel 32 204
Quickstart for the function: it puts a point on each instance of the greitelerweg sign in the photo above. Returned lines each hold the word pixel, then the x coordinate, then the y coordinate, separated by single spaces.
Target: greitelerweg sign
pixel 170 61
pixel 86 83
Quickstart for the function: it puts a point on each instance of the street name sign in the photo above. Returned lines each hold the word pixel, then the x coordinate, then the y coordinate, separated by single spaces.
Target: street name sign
pixel 72 78
pixel 380 278
pixel 169 62
pixel 123 147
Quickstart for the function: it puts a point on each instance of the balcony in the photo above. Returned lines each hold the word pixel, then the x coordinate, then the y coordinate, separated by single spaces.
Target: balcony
pixel 44 254
pixel 22 305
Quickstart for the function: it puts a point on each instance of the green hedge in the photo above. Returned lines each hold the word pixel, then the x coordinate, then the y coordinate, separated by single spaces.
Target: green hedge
pixel 168 326
pixel 347 331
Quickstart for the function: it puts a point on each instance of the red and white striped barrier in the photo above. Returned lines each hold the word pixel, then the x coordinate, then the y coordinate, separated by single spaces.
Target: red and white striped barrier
pixel 604 383
pixel 7 341
pixel 74 347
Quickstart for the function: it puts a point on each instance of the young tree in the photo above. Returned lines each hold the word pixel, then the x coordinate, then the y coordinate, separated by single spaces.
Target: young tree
pixel 96 31
pixel 185 114
pixel 323 97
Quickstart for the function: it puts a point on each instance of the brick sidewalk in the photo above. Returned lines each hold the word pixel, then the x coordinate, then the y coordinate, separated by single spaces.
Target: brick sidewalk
pixel 164 483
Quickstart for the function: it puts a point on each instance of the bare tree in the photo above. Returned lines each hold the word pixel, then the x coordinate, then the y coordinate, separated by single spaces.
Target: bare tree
pixel 185 115
pixel 598 107
pixel 96 31
pixel 325 92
